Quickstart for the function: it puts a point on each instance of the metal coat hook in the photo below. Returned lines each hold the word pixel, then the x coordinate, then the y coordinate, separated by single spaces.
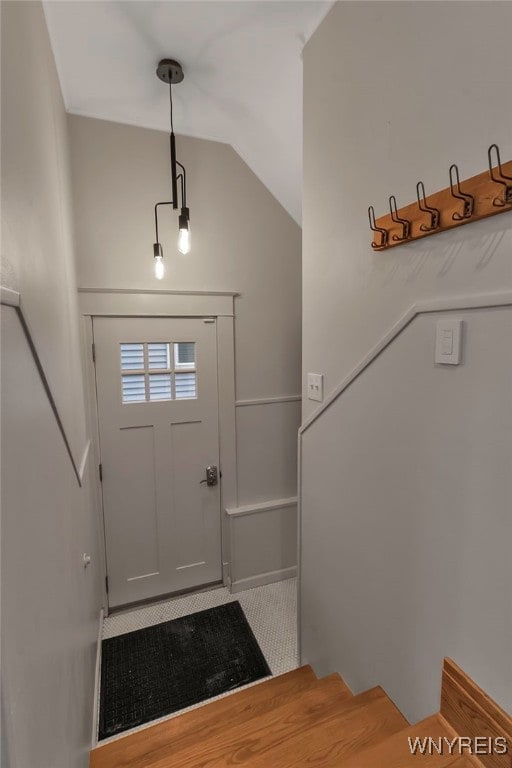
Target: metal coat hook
pixel 406 225
pixel 468 200
pixel 373 226
pixel 507 192
pixel 435 214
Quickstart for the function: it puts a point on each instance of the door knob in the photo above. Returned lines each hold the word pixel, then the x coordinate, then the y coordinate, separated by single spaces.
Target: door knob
pixel 211 476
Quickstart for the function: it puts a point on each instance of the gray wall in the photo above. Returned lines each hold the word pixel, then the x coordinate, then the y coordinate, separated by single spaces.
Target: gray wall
pixel 242 240
pixel 50 603
pixel 393 93
pixel 406 518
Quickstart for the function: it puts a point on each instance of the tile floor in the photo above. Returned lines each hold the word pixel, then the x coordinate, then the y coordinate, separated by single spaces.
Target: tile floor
pixel 270 610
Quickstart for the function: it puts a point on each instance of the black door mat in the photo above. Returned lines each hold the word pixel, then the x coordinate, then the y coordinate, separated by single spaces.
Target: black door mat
pixel 158 670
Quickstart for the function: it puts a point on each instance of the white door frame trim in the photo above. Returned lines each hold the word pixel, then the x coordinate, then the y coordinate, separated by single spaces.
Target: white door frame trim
pixel 109 302
pixel 155 291
pixel 129 303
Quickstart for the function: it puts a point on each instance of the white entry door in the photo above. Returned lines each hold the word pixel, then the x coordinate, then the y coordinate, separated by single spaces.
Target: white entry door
pixel 156 382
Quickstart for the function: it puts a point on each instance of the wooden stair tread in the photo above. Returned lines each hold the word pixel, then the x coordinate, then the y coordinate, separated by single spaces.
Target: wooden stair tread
pixel 394 751
pixel 297 721
pixel 297 731
pixel 237 707
pixel 236 743
pixel 365 720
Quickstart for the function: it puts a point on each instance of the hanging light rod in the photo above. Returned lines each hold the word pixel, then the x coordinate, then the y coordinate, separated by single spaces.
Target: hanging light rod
pixel 171 72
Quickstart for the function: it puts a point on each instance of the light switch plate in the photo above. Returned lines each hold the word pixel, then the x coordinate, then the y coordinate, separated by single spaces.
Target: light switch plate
pixel 316 386
pixel 448 342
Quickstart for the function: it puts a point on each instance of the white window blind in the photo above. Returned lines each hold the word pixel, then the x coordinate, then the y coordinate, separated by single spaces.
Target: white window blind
pixel 185 384
pixel 132 357
pixel 160 386
pixel 158 356
pixel 134 389
pixel 158 371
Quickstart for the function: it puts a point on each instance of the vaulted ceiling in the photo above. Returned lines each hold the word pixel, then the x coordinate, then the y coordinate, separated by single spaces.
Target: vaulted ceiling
pixel 242 63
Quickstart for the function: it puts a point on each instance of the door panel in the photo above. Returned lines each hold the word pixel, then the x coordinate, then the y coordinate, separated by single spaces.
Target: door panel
pixel 135 490
pixel 157 396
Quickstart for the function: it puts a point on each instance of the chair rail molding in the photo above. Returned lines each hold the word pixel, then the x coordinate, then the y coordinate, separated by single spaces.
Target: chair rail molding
pixel 13 299
pixel 85 458
pixel 448 304
pixel 262 506
pixel 268 400
pixel 451 304
pixel 9 297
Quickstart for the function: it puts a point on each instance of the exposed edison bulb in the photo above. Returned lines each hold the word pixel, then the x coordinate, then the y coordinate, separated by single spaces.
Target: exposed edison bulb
pixel 184 231
pixel 159 267
pixel 184 241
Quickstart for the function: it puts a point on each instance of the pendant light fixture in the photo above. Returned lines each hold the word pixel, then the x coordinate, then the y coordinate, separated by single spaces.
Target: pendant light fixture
pixel 171 72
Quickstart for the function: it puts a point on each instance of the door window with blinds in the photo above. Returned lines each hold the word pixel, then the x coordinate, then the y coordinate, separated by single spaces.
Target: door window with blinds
pixel 152 371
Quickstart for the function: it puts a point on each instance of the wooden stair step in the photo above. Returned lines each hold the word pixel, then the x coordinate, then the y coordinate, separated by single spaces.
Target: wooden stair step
pixel 297 731
pixel 134 749
pixel 364 720
pixel 236 743
pixel 395 752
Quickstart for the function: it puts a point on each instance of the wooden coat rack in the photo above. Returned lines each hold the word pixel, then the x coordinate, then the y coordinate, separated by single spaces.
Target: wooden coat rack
pixel 463 202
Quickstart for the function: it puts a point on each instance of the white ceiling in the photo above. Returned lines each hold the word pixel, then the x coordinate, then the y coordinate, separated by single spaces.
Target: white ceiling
pixel 242 63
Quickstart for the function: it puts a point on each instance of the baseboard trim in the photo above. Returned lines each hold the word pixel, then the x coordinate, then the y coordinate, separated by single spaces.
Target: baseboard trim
pixel 263 506
pixel 263 578
pixel 95 707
